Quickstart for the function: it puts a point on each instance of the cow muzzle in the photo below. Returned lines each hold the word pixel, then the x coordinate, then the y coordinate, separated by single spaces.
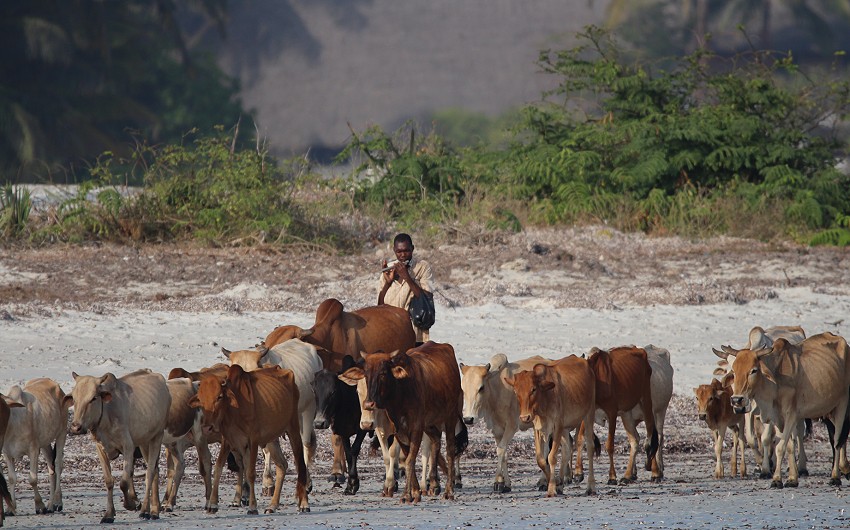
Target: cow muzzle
pixel 76 428
pixel 702 416
pixel 739 406
pixel 367 425
pixel 469 420
pixel 525 418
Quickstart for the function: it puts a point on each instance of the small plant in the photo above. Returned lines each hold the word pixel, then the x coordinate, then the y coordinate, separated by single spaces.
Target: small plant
pixel 15 208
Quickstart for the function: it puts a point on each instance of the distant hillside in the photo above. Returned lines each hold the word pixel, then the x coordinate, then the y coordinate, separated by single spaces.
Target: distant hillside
pixel 309 67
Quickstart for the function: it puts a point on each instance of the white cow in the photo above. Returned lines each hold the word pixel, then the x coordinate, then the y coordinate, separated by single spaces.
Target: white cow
pixel 487 396
pixel 304 361
pixel 41 425
pixel 122 414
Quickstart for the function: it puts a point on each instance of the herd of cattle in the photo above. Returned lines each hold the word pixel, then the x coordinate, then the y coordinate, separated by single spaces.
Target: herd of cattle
pixel 360 372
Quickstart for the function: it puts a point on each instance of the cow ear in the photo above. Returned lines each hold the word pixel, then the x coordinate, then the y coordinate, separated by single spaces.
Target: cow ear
pixel 765 371
pixel 74 375
pixel 226 352
pixel 194 402
pixel 539 370
pixel 719 371
pixel 231 398
pixel 106 396
pixel 547 385
pixel 399 372
pixel 509 380
pixel 352 376
pixel 394 354
pixel 728 379
pixel 107 383
pixel 68 401
pixel 487 367
pixel 696 391
pixel 304 333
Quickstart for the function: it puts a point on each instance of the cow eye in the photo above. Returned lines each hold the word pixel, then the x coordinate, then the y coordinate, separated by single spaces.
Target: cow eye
pixel 481 389
pixel 754 370
pixel 533 390
pixel 94 398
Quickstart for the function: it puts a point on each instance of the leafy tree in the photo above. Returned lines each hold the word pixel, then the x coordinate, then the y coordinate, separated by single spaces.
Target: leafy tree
pixel 76 75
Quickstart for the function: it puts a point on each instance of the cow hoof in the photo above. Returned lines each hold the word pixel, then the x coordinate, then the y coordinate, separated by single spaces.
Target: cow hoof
pixel 168 509
pixel 253 512
pixel 448 496
pixel 57 507
pixel 776 484
pixel 542 487
pixel 588 492
pixel 41 511
pixel 612 482
pixel 107 520
pixel 244 502
pixel 656 479
pixel 499 487
pixel 765 474
pixel 803 472
pixel 9 513
pixel 304 510
pixel 144 515
pixel 268 510
pixel 212 510
pixel 336 484
pixel 578 479
pixel 458 485
pixel 835 482
pixel 791 483
pixel 624 481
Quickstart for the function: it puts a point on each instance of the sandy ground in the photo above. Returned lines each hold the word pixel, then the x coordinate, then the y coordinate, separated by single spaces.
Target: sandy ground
pixel 106 308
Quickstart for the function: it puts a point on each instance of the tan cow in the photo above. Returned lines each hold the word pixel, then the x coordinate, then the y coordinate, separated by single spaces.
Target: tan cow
pixel 5 495
pixel 122 414
pixel 714 406
pixel 250 409
pixel 304 361
pixel 487 396
pixel 557 397
pixel 759 434
pixel 41 425
pixel 791 382
pixel 183 430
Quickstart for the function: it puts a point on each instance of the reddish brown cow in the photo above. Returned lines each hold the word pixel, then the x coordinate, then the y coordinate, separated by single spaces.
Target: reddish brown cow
pixel 714 406
pixel 420 391
pixel 623 382
pixel 250 409
pixel 557 397
pixel 370 329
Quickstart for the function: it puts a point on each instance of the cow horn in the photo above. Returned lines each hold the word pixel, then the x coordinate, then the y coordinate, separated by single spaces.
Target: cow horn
pixel 225 352
pixel 262 349
pixel 306 332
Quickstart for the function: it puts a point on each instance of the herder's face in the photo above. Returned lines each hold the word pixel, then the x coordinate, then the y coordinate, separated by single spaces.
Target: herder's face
pixel 403 251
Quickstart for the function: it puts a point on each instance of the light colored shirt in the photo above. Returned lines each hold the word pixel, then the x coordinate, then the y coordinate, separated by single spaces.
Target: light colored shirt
pixel 399 293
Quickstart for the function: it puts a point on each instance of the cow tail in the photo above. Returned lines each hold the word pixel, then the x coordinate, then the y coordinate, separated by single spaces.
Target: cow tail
pixel 461 439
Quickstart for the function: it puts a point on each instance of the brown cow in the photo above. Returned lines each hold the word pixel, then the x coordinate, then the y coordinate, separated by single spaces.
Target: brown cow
pixel 623 380
pixel 420 391
pixel 337 333
pixel 714 406
pixel 556 397
pixel 250 409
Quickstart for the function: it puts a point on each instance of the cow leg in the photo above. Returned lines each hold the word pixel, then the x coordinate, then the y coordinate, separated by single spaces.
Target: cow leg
pixel 109 482
pixel 249 457
pixel 431 463
pixel 566 474
pixel 352 451
pixel 841 431
pixel 176 469
pixel 204 467
pixel 272 449
pixel 169 477
pixel 656 465
pixel 390 453
pixel 800 449
pixel 58 454
pixel 212 502
pixel 541 449
pixel 552 461
pixel 150 504
pixel 578 472
pixel 768 450
pixel 308 439
pixel 589 446
pixel 781 451
pixel 40 508
pixel 412 492
pixel 634 441
pixel 131 500
pixel 503 438
pixel 339 464
pixel 609 447
pixel 296 444
pixel 268 479
pixel 452 458
pixel 13 480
